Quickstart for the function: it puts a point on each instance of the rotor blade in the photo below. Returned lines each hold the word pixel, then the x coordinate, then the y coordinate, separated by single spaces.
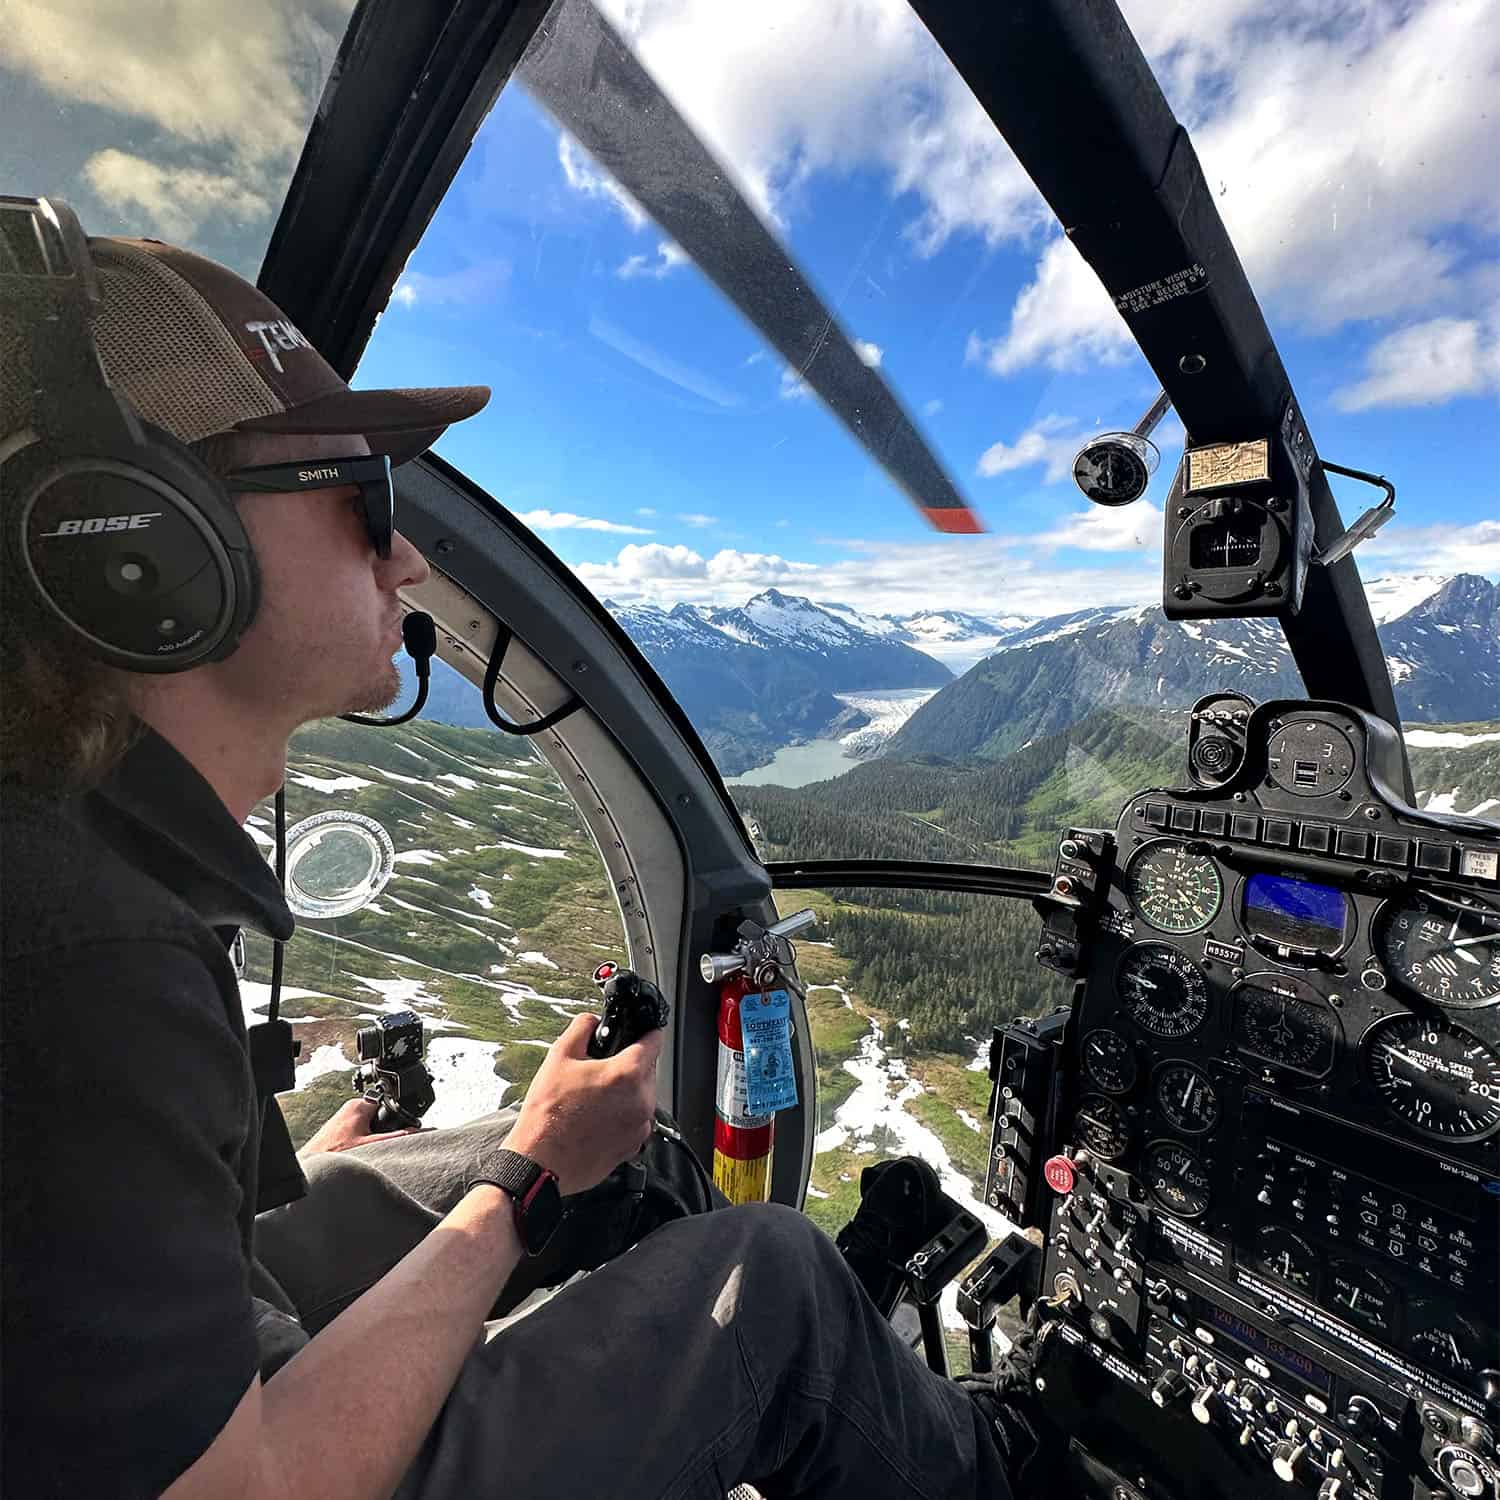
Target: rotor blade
pixel 583 74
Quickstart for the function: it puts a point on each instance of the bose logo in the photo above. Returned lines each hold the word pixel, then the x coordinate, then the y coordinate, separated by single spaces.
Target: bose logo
pixel 93 525
pixel 306 474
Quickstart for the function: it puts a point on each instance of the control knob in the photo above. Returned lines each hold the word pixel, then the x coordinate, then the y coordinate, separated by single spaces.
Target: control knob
pixel 1167 1388
pixel 1332 1488
pixel 1205 1399
pixel 1359 1416
pixel 1286 1458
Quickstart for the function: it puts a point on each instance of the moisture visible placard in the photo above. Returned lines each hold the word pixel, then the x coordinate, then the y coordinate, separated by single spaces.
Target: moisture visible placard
pixel 766 1023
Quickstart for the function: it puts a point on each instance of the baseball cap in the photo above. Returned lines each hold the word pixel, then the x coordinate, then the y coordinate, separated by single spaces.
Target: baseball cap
pixel 199 351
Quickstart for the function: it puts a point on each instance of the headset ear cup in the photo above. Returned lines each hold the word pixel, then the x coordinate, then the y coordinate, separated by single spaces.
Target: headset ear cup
pixel 217 506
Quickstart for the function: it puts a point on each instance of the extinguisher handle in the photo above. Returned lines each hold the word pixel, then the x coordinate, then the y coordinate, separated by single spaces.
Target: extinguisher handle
pixel 632 1007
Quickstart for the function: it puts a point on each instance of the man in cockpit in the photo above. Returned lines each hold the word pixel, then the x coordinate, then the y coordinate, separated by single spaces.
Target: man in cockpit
pixel 147 1349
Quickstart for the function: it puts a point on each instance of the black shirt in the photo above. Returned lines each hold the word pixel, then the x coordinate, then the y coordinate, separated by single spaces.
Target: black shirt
pixel 132 1139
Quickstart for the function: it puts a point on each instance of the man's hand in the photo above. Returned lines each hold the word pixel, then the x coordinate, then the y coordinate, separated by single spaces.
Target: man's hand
pixel 349 1126
pixel 583 1116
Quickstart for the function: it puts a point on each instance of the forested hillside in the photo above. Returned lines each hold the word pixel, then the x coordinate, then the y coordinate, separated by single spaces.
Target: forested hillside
pixel 953 965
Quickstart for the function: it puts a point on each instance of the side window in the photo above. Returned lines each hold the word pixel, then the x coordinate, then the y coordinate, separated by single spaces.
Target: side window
pixel 904 989
pixel 496 914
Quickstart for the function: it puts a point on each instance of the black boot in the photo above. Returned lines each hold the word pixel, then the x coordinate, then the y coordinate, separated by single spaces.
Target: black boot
pixel 1031 1444
pixel 901 1207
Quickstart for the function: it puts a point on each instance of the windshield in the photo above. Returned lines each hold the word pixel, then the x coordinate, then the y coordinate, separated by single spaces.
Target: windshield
pixel 916 694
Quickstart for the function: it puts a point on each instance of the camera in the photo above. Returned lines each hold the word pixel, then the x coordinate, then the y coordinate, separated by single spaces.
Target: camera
pixel 391 1072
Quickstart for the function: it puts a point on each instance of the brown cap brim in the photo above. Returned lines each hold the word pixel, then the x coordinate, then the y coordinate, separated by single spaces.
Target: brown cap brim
pixel 404 424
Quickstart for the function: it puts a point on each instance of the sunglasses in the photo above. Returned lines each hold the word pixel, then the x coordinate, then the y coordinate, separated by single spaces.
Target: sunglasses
pixel 377 490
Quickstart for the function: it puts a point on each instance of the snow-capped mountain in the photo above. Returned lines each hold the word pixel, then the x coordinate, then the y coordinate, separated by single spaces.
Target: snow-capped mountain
pixel 764 675
pixel 1441 636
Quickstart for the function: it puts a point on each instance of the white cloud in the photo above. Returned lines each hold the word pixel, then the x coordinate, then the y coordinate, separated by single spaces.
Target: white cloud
pixel 1347 146
pixel 1433 549
pixel 175 201
pixel 984 573
pixel 565 520
pixel 227 96
pixel 1427 363
pixel 932 408
pixel 585 177
pixel 754 82
pixel 1063 318
pixel 645 510
pixel 1052 442
pixel 1110 528
pixel 470 284
pixel 669 255
pixel 870 354
pixel 696 518
pixel 671 574
pixel 793 386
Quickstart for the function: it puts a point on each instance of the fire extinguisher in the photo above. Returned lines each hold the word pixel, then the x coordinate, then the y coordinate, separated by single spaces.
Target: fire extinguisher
pixel 743 1141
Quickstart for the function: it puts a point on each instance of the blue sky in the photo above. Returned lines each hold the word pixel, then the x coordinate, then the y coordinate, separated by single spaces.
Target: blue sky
pixel 660 447
pixel 629 394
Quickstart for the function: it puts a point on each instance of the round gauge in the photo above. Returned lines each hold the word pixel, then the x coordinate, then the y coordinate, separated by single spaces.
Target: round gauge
pixel 1109 1061
pixel 1361 1296
pixel 1434 1075
pixel 1172 889
pixel 1111 472
pixel 1102 1126
pixel 1444 948
pixel 1177 1179
pixel 1281 1021
pixel 1286 1256
pixel 1443 1339
pixel 1162 990
pixel 1187 1099
pixel 1309 759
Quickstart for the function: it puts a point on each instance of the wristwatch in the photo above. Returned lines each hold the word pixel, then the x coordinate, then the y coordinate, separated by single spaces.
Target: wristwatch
pixel 533 1191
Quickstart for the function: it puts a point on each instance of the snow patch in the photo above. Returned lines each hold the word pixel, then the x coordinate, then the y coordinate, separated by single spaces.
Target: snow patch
pixel 328 783
pixel 420 857
pixel 878 1103
pixel 535 958
pixel 1426 739
pixel 482 898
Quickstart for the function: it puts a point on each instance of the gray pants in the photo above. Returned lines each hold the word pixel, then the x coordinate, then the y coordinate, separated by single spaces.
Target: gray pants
pixel 734 1346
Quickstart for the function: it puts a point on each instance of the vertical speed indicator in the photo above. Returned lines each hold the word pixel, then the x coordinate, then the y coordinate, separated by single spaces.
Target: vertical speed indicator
pixel 1173 889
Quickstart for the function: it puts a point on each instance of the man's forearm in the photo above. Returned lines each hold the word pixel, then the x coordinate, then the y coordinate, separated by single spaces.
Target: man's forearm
pixel 343 1419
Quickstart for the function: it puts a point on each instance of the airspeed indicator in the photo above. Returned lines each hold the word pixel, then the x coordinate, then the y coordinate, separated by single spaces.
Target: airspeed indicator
pixel 1173 889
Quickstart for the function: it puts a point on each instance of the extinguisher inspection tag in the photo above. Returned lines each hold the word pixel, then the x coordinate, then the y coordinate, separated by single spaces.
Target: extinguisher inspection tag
pixel 766 1022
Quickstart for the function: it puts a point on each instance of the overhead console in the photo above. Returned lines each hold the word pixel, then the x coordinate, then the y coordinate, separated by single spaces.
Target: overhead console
pixel 1265 1145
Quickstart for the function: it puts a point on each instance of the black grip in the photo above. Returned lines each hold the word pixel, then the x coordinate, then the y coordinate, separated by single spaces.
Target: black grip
pixel 632 1007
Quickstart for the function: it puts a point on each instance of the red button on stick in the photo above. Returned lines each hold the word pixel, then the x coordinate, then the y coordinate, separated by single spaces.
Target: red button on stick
pixel 1059 1174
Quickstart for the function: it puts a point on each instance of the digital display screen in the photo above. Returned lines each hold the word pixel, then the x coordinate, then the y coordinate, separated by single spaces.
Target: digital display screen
pixel 1273 1351
pixel 1296 913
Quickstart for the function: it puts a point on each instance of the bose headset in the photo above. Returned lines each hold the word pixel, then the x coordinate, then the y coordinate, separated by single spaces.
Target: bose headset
pixel 168 580
pixel 161 576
